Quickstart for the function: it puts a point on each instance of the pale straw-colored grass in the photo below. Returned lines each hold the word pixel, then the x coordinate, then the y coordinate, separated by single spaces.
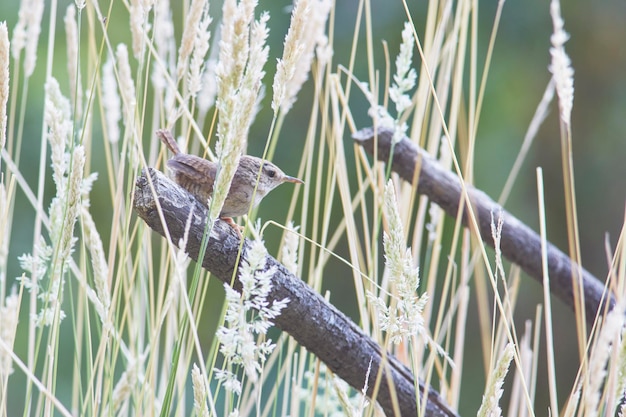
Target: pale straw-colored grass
pixel 133 327
pixel 73 60
pixel 563 76
pixel 4 81
pixel 26 33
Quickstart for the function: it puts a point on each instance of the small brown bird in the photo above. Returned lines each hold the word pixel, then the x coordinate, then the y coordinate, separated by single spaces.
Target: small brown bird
pixel 197 176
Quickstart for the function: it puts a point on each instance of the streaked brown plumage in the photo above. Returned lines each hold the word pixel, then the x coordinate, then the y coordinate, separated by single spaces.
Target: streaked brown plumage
pixel 197 176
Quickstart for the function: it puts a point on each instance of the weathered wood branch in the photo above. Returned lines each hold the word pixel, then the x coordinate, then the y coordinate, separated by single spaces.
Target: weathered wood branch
pixel 519 243
pixel 308 318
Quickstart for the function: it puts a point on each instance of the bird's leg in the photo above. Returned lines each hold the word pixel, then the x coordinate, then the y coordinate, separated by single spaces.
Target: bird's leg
pixel 234 225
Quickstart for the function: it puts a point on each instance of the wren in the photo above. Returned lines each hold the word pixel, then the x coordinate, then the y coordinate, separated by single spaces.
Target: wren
pixel 197 175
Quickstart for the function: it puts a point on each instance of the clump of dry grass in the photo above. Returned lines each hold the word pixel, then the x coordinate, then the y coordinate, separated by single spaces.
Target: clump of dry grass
pixel 132 313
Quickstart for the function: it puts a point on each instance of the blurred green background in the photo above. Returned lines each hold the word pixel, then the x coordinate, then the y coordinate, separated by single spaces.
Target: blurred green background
pixel 517 78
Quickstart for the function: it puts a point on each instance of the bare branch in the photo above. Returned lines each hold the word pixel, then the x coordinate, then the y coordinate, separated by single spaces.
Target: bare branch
pixel 308 318
pixel 519 243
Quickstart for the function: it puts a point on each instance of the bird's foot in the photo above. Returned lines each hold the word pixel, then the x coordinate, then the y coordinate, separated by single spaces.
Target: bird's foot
pixel 231 223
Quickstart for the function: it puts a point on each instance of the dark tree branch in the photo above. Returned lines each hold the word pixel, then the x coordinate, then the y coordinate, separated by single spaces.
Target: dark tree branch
pixel 519 243
pixel 308 318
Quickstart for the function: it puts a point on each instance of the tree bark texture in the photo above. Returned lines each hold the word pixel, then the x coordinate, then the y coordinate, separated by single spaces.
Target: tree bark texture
pixel 308 318
pixel 519 243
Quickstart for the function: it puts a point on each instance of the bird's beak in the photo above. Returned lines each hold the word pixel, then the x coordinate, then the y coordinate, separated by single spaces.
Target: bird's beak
pixel 295 180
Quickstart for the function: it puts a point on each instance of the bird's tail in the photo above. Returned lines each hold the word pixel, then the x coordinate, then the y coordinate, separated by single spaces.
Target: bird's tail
pixel 169 141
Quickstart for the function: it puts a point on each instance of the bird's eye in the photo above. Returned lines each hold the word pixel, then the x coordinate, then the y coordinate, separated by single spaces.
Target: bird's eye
pixel 269 170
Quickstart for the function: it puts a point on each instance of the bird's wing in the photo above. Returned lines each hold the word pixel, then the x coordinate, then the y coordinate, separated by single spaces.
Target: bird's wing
pixel 194 168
